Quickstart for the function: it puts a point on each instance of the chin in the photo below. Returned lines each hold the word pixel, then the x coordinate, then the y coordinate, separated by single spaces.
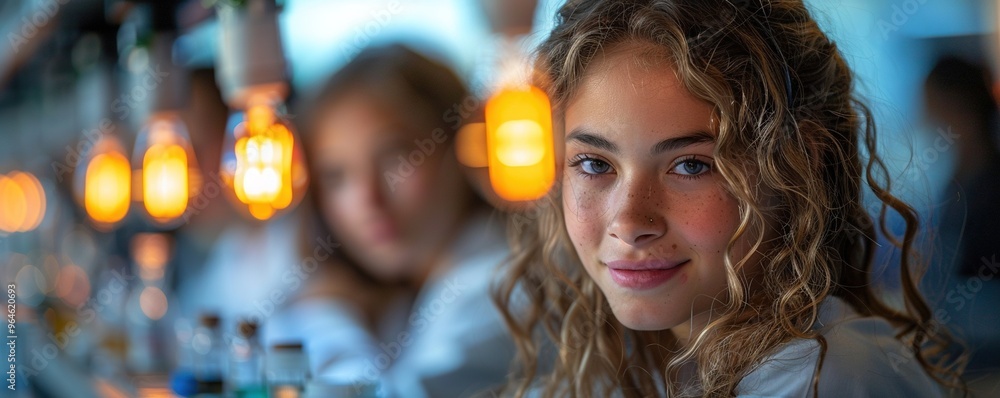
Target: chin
pixel 645 315
pixel 390 272
pixel 383 266
pixel 645 324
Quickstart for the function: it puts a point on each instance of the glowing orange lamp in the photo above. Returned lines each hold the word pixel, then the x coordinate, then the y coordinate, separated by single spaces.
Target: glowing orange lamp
pixel 166 168
pixel 519 143
pixel 263 162
pixel 103 182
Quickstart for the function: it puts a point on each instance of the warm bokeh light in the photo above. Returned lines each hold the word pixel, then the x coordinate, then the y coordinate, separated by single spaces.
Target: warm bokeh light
pixel 283 391
pixel 13 203
pixel 259 173
pixel 34 198
pixel 153 302
pixel 471 145
pixel 103 182
pixel 265 168
pixel 109 390
pixel 22 200
pixel 151 252
pixel 72 285
pixel 519 142
pixel 107 189
pixel 165 181
pixel 168 173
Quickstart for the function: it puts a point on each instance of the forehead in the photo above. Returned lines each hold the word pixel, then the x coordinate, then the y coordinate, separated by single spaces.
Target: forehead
pixel 636 88
pixel 637 53
pixel 355 123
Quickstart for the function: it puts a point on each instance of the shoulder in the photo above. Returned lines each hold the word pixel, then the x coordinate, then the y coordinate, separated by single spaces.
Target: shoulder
pixel 862 359
pixel 456 304
pixel 474 259
pixel 786 373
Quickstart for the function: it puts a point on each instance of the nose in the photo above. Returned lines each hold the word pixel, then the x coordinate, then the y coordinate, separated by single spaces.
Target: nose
pixel 639 219
pixel 366 190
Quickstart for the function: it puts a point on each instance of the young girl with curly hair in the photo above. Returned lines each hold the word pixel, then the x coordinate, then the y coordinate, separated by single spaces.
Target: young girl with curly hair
pixel 708 237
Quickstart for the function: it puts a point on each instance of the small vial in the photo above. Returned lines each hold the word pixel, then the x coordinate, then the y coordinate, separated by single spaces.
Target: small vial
pixel 357 389
pixel 246 363
pixel 287 370
pixel 209 354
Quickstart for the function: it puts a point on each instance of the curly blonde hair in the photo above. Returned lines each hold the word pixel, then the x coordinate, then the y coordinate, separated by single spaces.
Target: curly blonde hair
pixel 790 136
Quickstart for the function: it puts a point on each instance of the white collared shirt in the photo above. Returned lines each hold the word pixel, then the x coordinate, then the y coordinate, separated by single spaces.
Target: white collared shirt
pixel 863 359
pixel 451 342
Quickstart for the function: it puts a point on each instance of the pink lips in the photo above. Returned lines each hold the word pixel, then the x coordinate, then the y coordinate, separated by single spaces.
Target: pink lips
pixel 642 275
pixel 382 232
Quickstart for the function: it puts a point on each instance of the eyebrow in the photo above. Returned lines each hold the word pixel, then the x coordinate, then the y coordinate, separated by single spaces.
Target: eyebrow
pixel 592 139
pixel 675 143
pixel 670 144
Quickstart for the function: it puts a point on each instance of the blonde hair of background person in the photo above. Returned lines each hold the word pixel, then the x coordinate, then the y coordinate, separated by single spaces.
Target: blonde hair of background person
pixel 787 131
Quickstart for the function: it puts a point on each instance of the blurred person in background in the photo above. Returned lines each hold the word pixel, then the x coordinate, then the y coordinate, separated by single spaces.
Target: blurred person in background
pixel 405 303
pixel 964 279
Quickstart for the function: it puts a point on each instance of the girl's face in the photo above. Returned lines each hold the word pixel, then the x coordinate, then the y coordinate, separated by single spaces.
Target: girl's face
pixel 648 215
pixel 388 190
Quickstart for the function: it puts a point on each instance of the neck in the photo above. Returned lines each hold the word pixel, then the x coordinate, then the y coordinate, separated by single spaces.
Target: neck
pixel 690 329
pixel 439 258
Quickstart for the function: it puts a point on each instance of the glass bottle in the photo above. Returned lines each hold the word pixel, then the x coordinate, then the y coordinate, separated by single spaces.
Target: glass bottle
pixel 287 371
pixel 246 363
pixel 209 353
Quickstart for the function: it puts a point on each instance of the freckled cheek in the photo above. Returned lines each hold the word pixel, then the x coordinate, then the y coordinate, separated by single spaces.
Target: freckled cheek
pixel 583 199
pixel 583 219
pixel 707 220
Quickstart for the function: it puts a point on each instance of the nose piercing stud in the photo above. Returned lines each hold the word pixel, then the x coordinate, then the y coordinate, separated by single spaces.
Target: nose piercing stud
pixel 650 220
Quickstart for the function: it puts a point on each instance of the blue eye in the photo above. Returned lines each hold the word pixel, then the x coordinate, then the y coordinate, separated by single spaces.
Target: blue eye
pixel 588 166
pixel 691 168
pixel 594 166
